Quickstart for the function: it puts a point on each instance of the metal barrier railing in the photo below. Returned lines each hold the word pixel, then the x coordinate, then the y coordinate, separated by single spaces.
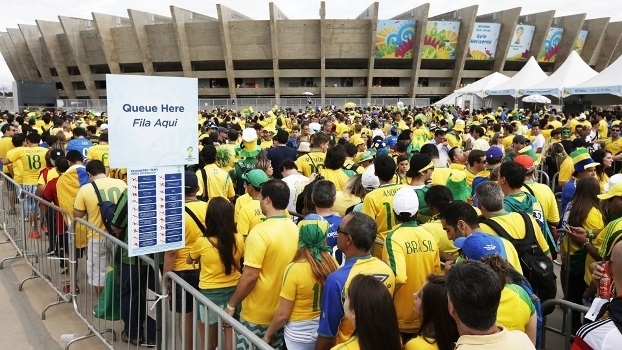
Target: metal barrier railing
pixel 12 216
pixel 201 301
pixel 109 292
pixel 46 256
pixel 566 330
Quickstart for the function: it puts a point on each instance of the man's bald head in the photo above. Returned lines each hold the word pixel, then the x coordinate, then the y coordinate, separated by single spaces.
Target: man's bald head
pixel 616 266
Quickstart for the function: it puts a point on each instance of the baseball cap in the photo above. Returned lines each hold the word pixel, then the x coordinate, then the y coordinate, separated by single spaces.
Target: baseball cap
pixel 256 177
pixel 103 127
pixel 614 180
pixel 405 201
pixel 582 116
pixel 191 182
pixel 365 156
pixel 304 147
pixel 614 191
pixel 55 153
pixel 480 245
pixel 494 153
pixel 358 141
pixel 526 161
pixel 369 180
pixel 221 129
pixel 519 139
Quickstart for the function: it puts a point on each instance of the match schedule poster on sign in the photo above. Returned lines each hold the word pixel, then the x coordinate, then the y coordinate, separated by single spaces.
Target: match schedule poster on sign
pixel 156 209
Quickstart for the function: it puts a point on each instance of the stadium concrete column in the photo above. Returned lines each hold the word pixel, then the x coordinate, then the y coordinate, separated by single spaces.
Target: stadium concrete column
pixel 49 31
pixel 72 28
pixel 275 15
pixel 8 43
pixel 595 38
pixel 224 16
pixel 419 15
pixel 610 42
pixel 23 53
pixel 33 42
pixel 180 18
pixel 467 17
pixel 323 52
pixel 542 21
pixel 371 14
pixel 509 20
pixel 8 58
pixel 104 24
pixel 572 26
pixel 139 20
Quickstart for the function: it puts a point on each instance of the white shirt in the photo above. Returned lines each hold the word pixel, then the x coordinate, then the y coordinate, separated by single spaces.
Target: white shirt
pixel 443 157
pixel 296 183
pixel 480 144
pixel 538 142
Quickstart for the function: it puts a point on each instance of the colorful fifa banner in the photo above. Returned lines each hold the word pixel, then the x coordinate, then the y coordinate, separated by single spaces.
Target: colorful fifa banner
pixel 441 40
pixel 152 121
pixel 579 42
pixel 520 43
pixel 483 43
pixel 548 53
pixel 394 39
pixel 155 209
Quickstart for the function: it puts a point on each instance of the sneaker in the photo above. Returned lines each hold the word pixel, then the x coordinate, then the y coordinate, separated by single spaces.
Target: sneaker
pixel 126 339
pixel 34 234
pixel 148 344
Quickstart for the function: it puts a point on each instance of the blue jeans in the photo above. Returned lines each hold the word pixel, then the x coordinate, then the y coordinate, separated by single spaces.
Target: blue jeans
pixel 134 283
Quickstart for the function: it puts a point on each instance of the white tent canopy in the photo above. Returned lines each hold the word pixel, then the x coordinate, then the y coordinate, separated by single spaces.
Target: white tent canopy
pixel 529 75
pixel 450 100
pixel 572 72
pixel 606 82
pixel 485 83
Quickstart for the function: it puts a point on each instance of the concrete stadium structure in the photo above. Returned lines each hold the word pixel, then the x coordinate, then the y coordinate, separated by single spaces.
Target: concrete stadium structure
pixel 234 56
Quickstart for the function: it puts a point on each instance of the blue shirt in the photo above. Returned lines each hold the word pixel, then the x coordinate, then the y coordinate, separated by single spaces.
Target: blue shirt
pixel 567 193
pixel 331 236
pixel 80 144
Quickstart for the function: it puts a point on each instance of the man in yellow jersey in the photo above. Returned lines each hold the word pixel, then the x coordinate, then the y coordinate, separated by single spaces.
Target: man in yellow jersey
pixel 413 254
pixel 100 151
pixel 32 159
pixel 356 235
pixel 270 247
pixel 175 260
pixel 313 161
pixel 542 192
pixel 613 144
pixel 378 204
pixel 250 214
pixel 87 203
pixel 476 166
pixel 213 181
pixel 6 144
pixel 459 219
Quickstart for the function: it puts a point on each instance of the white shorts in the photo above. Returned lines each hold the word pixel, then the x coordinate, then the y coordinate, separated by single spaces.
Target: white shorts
pixel 96 262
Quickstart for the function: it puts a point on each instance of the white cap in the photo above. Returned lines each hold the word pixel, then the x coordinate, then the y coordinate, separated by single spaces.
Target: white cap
pixel 369 180
pixel 406 201
pixel 614 180
pixel 582 116
pixel 103 127
pixel 249 134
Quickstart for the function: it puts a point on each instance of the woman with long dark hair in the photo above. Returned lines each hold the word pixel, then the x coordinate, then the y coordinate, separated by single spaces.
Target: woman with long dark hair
pixel 438 329
pixel 369 305
pixel 604 168
pixel 219 252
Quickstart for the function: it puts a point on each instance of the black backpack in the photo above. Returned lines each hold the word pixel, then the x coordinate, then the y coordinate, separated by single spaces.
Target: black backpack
pixel 106 210
pixel 537 267
pixel 239 169
pixel 204 196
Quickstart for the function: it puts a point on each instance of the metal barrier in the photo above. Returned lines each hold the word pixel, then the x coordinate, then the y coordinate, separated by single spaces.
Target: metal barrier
pixel 200 301
pixel 124 311
pixel 12 217
pixel 45 248
pixel 568 308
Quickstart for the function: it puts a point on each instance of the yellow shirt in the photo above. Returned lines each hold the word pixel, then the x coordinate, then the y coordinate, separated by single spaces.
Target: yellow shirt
pixel 192 233
pixel 118 173
pixel 453 140
pixel 270 247
pixel 303 289
pixel 239 203
pixel 378 204
pixel 343 202
pixel 514 224
pixel 5 146
pixel 572 124
pixel 16 168
pixel 310 163
pixel 515 308
pixel 351 344
pixel 593 221
pixel 340 128
pixel 337 177
pixel 32 160
pixel 602 129
pixel 413 254
pixel 565 171
pixel 213 273
pixel 250 216
pixel 219 183
pixel 445 245
pixel 421 343
pixel 456 166
pixel 612 146
pixel 470 176
pixel 86 200
pixel 546 197
pixel 99 152
pixel 440 175
pixel 507 141
pixel 67 188
pixel 51 175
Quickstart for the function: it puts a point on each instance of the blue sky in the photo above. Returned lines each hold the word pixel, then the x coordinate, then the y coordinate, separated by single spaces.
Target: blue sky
pixel 26 12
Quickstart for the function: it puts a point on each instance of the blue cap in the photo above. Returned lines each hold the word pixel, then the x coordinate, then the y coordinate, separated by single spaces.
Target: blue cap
pixel 494 153
pixel 480 245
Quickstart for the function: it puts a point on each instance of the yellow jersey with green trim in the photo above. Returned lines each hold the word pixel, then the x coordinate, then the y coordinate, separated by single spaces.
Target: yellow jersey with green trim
pixel 413 254
pixel 250 216
pixel 612 233
pixel 351 344
pixel 515 308
pixel 613 146
pixel 300 287
pixel 99 152
pixel 470 176
pixel 310 163
pixel 514 224
pixel 31 159
pixel 270 247
pixel 213 274
pixel 546 197
pixel 445 245
pixel 378 204
pixel 5 146
pixel 337 177
pixel 239 203
pixel 440 175
pixel 219 183
pixel 565 171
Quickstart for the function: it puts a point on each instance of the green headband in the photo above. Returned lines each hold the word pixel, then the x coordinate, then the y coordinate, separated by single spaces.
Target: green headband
pixel 313 238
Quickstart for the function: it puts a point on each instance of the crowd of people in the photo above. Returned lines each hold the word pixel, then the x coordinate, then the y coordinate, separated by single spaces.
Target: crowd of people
pixel 379 227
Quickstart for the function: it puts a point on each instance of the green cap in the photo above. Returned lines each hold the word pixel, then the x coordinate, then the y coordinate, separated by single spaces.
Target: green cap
pixel 365 156
pixel 256 177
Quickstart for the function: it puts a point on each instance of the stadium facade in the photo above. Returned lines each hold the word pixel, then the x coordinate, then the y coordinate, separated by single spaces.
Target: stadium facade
pixel 234 56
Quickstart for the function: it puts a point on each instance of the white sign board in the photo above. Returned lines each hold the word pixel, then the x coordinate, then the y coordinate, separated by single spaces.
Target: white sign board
pixel 155 209
pixel 521 43
pixel 483 44
pixel 152 121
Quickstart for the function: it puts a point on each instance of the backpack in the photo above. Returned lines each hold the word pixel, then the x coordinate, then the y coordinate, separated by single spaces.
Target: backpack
pixel 106 210
pixel 204 196
pixel 537 267
pixel 240 168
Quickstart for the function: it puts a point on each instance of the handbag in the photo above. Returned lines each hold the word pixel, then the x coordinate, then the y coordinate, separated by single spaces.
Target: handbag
pixel 109 304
